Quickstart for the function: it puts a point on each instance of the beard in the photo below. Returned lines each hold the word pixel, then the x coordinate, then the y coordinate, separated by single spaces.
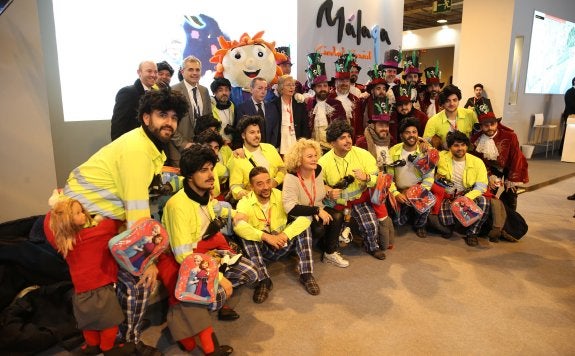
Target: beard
pixel 321 95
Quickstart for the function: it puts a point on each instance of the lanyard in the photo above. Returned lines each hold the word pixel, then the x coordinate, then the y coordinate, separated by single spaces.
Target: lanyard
pixel 345 164
pixel 267 219
pixel 453 128
pixel 302 182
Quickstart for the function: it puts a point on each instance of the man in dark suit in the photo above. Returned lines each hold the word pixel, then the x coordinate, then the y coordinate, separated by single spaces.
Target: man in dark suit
pixel 200 104
pixel 125 114
pixel 257 106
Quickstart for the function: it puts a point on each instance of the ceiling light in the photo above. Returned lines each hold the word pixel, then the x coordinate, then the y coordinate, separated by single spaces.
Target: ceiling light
pixel 442 21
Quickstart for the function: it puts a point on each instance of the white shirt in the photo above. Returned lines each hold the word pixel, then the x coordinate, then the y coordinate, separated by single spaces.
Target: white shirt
pixel 457 179
pixel 189 88
pixel 405 176
pixel 260 159
pixel 320 113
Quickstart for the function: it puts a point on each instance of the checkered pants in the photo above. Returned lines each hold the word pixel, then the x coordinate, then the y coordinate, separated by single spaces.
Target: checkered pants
pixel 260 253
pixel 243 272
pixel 365 217
pixel 404 215
pixel 133 300
pixel 446 215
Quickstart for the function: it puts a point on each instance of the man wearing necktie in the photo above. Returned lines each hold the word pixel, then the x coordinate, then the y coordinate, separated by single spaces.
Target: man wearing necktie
pixel 200 104
pixel 256 106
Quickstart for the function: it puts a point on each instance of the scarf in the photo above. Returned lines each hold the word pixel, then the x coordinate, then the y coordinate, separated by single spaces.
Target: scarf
pixel 374 140
pixel 223 106
pixel 202 200
pixel 486 145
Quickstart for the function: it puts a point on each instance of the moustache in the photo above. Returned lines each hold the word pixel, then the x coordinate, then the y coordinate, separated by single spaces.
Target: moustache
pixel 167 127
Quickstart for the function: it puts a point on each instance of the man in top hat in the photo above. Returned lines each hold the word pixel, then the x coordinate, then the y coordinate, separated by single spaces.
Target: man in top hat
pixel 377 88
pixel 355 88
pixel 404 108
pixel 322 109
pixel 412 75
pixel 498 147
pixel 351 103
pixel 429 104
pixel 392 69
pixel 376 138
pixel 285 66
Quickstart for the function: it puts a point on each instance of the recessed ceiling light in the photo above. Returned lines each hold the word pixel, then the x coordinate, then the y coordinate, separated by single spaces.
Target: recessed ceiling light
pixel 442 21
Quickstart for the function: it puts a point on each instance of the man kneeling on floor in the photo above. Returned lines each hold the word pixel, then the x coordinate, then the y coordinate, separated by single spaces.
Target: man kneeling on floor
pixel 267 235
pixel 469 176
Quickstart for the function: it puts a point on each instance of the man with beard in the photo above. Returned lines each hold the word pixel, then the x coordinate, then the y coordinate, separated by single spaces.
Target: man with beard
pixel 189 220
pixel 412 76
pixel 478 99
pixel 267 235
pixel 114 183
pixel 354 87
pixel 498 147
pixel 405 177
pixel 392 69
pixel 223 108
pixel 469 176
pixel 125 114
pixel 322 110
pixel 357 167
pixel 377 89
pixel 256 154
pixel 403 109
pixel 430 104
pixel 165 73
pixel 351 103
pixel 376 138
pixel 451 118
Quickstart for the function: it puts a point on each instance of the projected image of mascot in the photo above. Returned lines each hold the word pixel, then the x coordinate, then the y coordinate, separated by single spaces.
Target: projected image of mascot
pixel 202 33
pixel 243 60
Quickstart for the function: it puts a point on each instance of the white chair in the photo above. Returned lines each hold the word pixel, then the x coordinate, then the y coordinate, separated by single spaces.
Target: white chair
pixel 538 123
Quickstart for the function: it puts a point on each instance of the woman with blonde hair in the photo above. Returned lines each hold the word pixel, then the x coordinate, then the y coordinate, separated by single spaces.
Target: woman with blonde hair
pixel 303 194
pixel 293 124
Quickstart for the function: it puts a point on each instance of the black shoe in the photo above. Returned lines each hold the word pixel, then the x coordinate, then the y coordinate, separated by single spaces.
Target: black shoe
pixel 571 197
pixel 420 232
pixel 146 350
pixel 220 350
pixel 433 222
pixel 124 349
pixel 262 291
pixel 471 240
pixel 227 314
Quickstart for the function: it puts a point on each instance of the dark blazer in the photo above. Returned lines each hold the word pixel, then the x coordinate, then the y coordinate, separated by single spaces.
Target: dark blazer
pixel 470 104
pixel 185 132
pixel 125 114
pixel 300 119
pixel 272 120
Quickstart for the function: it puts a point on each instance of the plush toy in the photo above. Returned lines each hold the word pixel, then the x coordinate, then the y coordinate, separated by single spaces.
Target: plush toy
pixel 243 60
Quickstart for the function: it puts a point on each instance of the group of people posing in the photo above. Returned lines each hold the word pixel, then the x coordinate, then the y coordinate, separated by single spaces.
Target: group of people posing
pixel 291 168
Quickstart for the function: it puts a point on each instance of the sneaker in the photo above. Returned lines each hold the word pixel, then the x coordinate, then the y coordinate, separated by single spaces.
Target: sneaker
pixel 309 283
pixel 262 291
pixel 379 254
pixel 471 240
pixel 335 259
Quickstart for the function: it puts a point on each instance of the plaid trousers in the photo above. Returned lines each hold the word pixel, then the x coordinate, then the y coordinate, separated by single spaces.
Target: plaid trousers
pixel 133 300
pixel 404 214
pixel 446 215
pixel 365 216
pixel 260 252
pixel 243 272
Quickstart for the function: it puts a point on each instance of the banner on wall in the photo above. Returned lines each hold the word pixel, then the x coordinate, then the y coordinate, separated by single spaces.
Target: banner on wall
pixel 367 28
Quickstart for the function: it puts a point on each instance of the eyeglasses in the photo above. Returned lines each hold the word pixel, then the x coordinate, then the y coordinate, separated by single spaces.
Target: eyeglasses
pixel 289 85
